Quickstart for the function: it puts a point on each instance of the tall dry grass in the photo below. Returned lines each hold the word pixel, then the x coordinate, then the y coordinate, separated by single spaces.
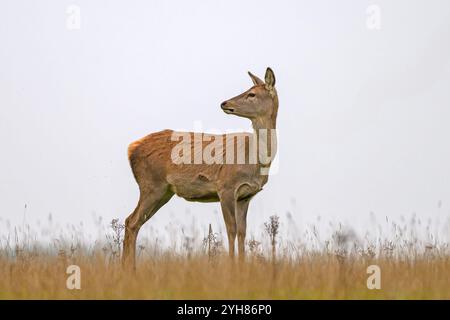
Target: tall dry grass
pixel 335 268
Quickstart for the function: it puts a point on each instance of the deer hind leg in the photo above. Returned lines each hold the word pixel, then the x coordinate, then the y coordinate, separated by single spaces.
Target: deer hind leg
pixel 241 224
pixel 149 203
pixel 227 203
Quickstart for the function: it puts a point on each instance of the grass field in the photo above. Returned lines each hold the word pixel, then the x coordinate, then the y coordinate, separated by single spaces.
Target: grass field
pixel 335 269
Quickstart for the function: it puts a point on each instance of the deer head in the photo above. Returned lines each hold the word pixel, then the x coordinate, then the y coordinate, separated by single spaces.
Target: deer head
pixel 259 103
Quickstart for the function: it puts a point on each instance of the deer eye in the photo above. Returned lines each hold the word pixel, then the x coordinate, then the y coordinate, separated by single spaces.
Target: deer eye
pixel 251 95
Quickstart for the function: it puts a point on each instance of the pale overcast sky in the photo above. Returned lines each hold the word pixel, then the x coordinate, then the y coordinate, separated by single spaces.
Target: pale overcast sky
pixel 364 116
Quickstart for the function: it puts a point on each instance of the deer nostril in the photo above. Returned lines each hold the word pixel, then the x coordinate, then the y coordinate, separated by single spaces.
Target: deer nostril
pixel 223 104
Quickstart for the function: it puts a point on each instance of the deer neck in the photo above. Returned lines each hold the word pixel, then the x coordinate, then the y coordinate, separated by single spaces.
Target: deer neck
pixel 263 123
pixel 267 121
pixel 264 130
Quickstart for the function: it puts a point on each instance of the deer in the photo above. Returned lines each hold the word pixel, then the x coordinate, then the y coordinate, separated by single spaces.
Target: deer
pixel 233 183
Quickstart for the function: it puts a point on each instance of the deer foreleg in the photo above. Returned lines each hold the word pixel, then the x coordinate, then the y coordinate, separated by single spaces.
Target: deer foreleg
pixel 241 224
pixel 227 203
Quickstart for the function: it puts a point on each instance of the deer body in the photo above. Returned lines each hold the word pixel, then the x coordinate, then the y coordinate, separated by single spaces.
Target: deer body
pixel 233 185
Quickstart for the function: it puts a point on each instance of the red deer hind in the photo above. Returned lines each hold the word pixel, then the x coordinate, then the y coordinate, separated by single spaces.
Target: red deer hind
pixel 231 178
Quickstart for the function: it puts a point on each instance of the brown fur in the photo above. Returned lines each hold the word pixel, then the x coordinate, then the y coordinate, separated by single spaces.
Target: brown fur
pixel 159 178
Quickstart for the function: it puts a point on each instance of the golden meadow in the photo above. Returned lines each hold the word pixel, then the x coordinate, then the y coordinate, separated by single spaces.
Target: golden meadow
pixel 414 264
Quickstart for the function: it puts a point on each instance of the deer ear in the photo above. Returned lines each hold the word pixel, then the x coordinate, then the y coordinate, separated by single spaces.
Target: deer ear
pixel 270 79
pixel 255 79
